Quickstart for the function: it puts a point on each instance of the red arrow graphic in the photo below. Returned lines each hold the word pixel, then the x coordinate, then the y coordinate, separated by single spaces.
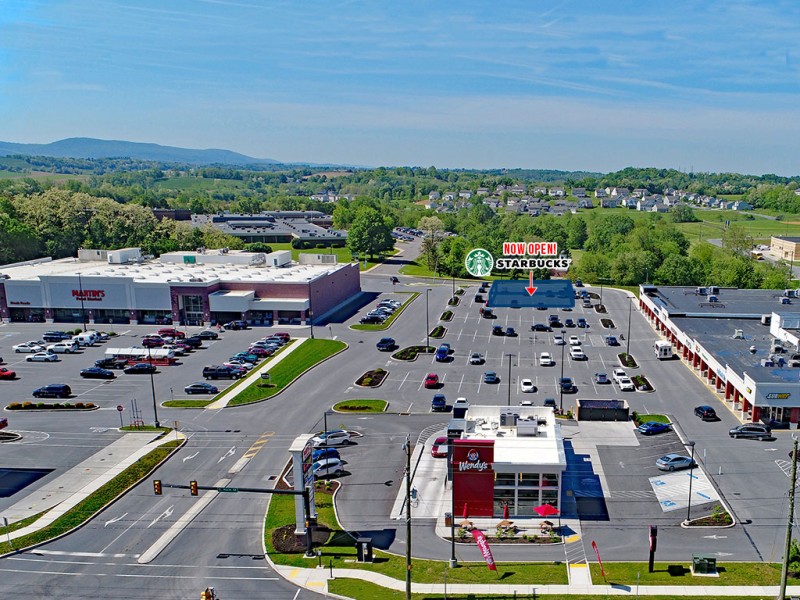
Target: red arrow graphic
pixel 530 289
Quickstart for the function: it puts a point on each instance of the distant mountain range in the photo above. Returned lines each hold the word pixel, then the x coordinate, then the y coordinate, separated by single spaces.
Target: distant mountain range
pixel 94 148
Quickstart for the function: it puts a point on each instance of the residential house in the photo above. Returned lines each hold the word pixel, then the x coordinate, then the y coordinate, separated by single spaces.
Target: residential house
pixel 739 205
pixel 608 202
pixel 579 192
pixel 434 195
pixel 539 190
pixel 615 191
pixel 519 189
pixel 482 191
pixel 449 195
pixel 585 203
pixel 556 191
pixel 600 193
pixel 640 193
pixel 644 204
pixel 466 194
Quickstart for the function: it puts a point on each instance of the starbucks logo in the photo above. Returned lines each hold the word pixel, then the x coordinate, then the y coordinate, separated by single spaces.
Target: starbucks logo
pixel 479 262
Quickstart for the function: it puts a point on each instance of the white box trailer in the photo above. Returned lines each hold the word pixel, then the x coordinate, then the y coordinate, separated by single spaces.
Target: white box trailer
pixel 663 350
pixel 158 356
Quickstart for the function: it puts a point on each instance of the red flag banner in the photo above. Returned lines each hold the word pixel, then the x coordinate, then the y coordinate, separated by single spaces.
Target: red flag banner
pixel 600 562
pixel 483 545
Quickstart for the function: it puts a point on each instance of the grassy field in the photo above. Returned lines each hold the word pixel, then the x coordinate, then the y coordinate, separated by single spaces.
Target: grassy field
pixel 678 573
pixel 300 360
pixel 186 403
pixel 86 509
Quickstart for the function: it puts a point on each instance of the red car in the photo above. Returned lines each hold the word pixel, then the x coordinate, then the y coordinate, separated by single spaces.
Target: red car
pixel 259 351
pixel 439 449
pixel 432 380
pixel 7 373
pixel 283 335
pixel 171 332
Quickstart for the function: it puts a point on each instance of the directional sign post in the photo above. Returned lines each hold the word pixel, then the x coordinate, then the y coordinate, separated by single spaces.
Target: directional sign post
pixel 120 408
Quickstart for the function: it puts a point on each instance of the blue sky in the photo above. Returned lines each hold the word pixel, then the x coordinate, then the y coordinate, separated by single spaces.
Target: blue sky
pixel 706 85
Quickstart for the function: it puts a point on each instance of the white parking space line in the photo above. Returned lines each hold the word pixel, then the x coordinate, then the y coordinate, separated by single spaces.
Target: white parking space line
pixel 404 380
pixel 460 383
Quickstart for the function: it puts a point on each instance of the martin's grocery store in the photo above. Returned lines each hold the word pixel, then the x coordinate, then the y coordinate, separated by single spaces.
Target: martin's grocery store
pixel 192 288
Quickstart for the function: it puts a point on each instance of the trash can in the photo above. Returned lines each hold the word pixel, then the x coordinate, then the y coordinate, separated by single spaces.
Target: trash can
pixel 364 549
pixel 704 564
pixel 448 519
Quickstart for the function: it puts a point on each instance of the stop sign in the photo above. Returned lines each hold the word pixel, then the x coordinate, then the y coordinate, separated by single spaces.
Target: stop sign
pixel 120 408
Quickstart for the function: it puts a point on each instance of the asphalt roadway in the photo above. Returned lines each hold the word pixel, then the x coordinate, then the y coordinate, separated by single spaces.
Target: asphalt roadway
pixel 221 546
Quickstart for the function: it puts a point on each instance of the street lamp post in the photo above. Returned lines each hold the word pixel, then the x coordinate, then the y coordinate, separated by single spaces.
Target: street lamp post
pixel 510 357
pixel 153 387
pixel 628 336
pixel 83 307
pixel 310 310
pixel 560 384
pixel 691 478
pixel 427 323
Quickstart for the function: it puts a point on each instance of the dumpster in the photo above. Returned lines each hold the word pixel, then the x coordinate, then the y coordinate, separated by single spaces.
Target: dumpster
pixel 704 564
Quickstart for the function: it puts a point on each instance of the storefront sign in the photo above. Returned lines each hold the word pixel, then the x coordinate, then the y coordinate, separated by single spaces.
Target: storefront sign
pixel 473 462
pixel 89 295
pixel 775 396
pixel 19 302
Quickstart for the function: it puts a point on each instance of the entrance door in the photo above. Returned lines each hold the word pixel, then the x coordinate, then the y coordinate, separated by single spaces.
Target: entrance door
pixel 779 414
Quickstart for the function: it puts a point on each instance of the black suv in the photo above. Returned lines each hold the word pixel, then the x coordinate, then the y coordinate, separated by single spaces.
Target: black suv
pixel 497 330
pixel 194 341
pixel 111 363
pixel 540 327
pixel 386 344
pixel 236 325
pixel 140 369
pixel 53 390
pixel 706 413
pixel 221 372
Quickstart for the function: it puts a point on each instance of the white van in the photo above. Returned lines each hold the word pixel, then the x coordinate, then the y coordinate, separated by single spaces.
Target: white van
pixel 85 339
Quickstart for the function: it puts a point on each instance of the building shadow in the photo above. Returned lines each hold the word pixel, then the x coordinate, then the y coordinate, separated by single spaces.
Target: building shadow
pixel 581 491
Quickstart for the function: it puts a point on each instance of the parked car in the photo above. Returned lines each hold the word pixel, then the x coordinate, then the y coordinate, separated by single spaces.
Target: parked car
pixel 371 320
pixel 442 353
pixel 558 340
pixel 479 298
pixel 260 352
pixel 246 356
pixel 439 448
pixel 569 323
pixel 574 340
pixel 140 369
pixel 111 363
pixel 67 347
pixel 195 341
pixel 335 437
pixel 510 332
pixel 545 360
pixel 751 431
pixel 550 403
pixel 393 278
pixel 207 334
pixel 576 353
pixel 239 362
pixel 626 384
pixel 653 428
pixel 567 385
pixel 324 452
pixel 577 283
pixel 526 385
pixel 611 341
pixel 176 349
pixel 601 378
pixel 386 344
pixel 618 373
pixel 706 413
pixel 6 373
pixel 223 372
pixel 490 377
pixel 42 357
pixel 328 467
pixel 582 323
pixel 438 403
pixel 431 381
pixel 476 358
pixel 540 327
pixel 497 330
pixel 27 347
pixel 53 390
pixel 201 387
pixel 236 325
pixel 153 341
pixel 283 335
pixel 487 313
pixel 97 373
pixel 674 462
pixel 171 332
pixel 56 336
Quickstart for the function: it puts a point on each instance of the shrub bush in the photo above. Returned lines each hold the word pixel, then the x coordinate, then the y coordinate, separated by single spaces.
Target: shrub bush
pixel 321 245
pixel 79 405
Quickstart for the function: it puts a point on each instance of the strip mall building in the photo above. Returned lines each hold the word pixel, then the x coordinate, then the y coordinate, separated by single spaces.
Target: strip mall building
pixel 195 288
pixel 744 344
pixel 506 456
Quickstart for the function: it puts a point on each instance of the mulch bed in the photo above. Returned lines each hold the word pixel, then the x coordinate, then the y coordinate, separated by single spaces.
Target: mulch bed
pixel 372 378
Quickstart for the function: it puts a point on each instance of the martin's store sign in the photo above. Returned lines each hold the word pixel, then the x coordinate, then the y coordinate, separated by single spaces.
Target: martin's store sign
pixel 473 477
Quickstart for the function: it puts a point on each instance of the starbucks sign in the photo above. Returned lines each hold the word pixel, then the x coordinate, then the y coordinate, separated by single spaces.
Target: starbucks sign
pixel 479 262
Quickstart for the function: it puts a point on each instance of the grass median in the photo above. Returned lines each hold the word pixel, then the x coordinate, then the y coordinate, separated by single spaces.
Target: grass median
pixel 301 359
pixel 361 405
pixel 89 507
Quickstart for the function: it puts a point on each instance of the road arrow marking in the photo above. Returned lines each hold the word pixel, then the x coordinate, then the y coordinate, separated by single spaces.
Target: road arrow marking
pixel 166 514
pixel 530 289
pixel 115 520
pixel 230 452
pixel 716 537
pixel 185 458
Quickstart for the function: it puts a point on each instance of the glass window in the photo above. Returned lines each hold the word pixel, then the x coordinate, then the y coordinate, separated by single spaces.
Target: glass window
pixel 527 500
pixel 501 498
pixel 550 497
pixel 529 479
pixel 549 479
pixel 504 479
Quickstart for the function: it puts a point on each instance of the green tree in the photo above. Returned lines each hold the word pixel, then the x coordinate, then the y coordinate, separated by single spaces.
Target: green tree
pixel 736 240
pixel 577 233
pixel 683 213
pixel 676 270
pixel 369 233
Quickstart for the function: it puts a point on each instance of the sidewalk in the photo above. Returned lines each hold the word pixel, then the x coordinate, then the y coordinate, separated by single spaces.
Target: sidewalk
pixel 86 478
pixel 316 579
pixel 252 379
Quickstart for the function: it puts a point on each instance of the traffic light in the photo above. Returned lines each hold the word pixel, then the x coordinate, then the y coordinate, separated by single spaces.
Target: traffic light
pixel 157 486
pixel 193 487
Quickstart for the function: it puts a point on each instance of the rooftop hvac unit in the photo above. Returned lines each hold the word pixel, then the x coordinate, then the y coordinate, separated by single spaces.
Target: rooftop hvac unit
pixel 766 319
pixel 790 293
pixel 713 289
pixel 712 299
pixel 508 419
pixel 738 334
pixel 702 291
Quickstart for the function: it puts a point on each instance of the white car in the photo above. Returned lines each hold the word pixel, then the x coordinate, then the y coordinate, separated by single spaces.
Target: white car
pixel 576 353
pixel 63 347
pixel 239 363
pixel 476 358
pixel 545 360
pixel 626 384
pixel 574 340
pixel 336 437
pixel 558 340
pixel 177 350
pixel 526 385
pixel 28 347
pixel 42 357
pixel 327 466
pixel 617 373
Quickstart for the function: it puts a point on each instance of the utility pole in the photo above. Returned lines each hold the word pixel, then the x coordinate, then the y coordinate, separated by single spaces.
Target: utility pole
pixel 427 323
pixel 407 448
pixel 790 523
pixel 628 338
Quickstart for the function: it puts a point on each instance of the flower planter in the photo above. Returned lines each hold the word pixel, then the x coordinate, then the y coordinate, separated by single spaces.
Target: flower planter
pixel 372 378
